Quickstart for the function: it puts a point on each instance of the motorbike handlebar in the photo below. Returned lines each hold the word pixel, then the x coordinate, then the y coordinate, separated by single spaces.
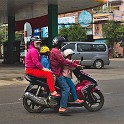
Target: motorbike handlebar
pixel 80 68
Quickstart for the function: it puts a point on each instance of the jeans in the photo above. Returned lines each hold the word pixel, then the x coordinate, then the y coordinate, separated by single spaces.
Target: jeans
pixel 65 90
pixel 72 87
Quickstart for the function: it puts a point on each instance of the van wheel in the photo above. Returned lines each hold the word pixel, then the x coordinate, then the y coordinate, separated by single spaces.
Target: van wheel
pixel 98 64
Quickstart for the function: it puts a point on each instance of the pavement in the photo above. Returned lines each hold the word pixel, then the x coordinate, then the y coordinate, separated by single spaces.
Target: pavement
pixel 14 74
pixel 12 111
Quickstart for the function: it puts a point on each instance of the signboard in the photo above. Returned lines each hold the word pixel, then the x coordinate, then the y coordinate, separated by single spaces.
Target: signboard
pixel 64 20
pixel 44 33
pixel 27 35
pixel 85 19
pixel 37 32
pixel 117 15
pixel 89 31
pixel 27 32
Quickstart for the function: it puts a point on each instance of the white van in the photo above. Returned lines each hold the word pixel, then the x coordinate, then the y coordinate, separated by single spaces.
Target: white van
pixel 93 54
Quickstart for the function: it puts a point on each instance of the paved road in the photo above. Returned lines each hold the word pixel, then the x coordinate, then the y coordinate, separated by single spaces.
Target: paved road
pixel 12 112
pixel 111 83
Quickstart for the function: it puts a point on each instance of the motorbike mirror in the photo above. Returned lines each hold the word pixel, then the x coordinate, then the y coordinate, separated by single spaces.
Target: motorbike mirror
pixel 63 49
pixel 82 59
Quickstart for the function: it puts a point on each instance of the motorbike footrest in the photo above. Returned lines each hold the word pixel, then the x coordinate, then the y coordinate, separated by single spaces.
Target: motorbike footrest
pixel 74 104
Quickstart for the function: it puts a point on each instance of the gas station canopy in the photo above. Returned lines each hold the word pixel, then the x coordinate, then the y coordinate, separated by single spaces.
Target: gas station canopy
pixel 14 12
pixel 26 9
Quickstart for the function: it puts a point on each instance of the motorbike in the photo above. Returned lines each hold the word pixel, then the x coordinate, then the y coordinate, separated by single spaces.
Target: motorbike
pixel 37 96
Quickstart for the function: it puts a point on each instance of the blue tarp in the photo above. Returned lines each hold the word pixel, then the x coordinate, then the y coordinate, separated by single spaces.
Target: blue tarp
pixel 100 41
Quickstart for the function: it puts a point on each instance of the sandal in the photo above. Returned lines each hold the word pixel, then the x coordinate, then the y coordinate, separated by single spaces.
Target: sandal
pixel 79 101
pixel 64 113
pixel 55 95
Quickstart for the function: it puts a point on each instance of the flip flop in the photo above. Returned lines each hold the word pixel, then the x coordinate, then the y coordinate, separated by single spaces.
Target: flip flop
pixel 79 101
pixel 55 95
pixel 64 113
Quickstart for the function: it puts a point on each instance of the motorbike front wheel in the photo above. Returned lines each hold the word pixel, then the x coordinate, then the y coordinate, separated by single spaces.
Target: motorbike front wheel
pixel 97 102
pixel 30 106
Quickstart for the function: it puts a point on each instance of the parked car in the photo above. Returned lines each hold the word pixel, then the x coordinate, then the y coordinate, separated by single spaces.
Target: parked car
pixel 93 54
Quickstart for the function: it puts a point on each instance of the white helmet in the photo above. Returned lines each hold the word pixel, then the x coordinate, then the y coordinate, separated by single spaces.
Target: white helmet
pixel 68 52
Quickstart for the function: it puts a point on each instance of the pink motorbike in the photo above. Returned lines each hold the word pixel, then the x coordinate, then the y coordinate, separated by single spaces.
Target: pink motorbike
pixel 36 97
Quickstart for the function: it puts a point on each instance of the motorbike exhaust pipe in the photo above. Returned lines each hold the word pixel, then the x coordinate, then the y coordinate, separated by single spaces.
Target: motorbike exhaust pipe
pixel 34 98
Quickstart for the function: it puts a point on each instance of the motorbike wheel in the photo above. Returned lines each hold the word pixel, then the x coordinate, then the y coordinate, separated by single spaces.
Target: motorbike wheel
pixel 97 103
pixel 30 106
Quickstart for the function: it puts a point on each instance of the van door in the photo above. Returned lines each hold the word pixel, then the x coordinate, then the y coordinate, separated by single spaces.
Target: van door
pixel 85 50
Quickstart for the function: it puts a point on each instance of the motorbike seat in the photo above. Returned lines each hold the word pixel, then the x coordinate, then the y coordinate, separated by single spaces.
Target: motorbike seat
pixel 31 78
pixel 38 81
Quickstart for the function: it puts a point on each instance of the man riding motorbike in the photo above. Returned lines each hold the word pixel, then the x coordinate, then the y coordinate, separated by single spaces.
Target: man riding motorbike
pixel 57 62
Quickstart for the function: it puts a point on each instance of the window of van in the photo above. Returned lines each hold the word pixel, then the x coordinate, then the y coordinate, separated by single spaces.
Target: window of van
pixel 69 46
pixel 91 47
pixel 84 47
pixel 99 47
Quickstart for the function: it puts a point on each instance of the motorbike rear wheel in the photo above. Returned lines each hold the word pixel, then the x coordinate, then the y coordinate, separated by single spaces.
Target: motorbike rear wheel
pixel 98 102
pixel 30 106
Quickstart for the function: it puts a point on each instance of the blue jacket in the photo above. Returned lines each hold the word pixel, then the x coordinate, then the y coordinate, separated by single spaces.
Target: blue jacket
pixel 45 62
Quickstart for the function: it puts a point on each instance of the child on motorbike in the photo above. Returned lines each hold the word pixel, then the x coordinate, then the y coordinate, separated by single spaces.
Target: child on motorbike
pixel 67 72
pixel 44 52
pixel 35 68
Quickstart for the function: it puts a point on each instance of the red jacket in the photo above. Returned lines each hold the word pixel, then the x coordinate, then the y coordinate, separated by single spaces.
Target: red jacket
pixel 57 62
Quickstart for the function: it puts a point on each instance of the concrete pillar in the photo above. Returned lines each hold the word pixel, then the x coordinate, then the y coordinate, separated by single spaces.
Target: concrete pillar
pixel 52 23
pixel 11 30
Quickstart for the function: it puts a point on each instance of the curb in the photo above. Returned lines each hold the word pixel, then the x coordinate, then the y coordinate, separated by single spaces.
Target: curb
pixel 116 59
pixel 13 82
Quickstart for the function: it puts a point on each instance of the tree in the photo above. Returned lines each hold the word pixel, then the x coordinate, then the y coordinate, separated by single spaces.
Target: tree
pixel 113 32
pixel 3 33
pixel 64 32
pixel 121 33
pixel 0 50
pixel 122 44
pixel 4 36
pixel 73 33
